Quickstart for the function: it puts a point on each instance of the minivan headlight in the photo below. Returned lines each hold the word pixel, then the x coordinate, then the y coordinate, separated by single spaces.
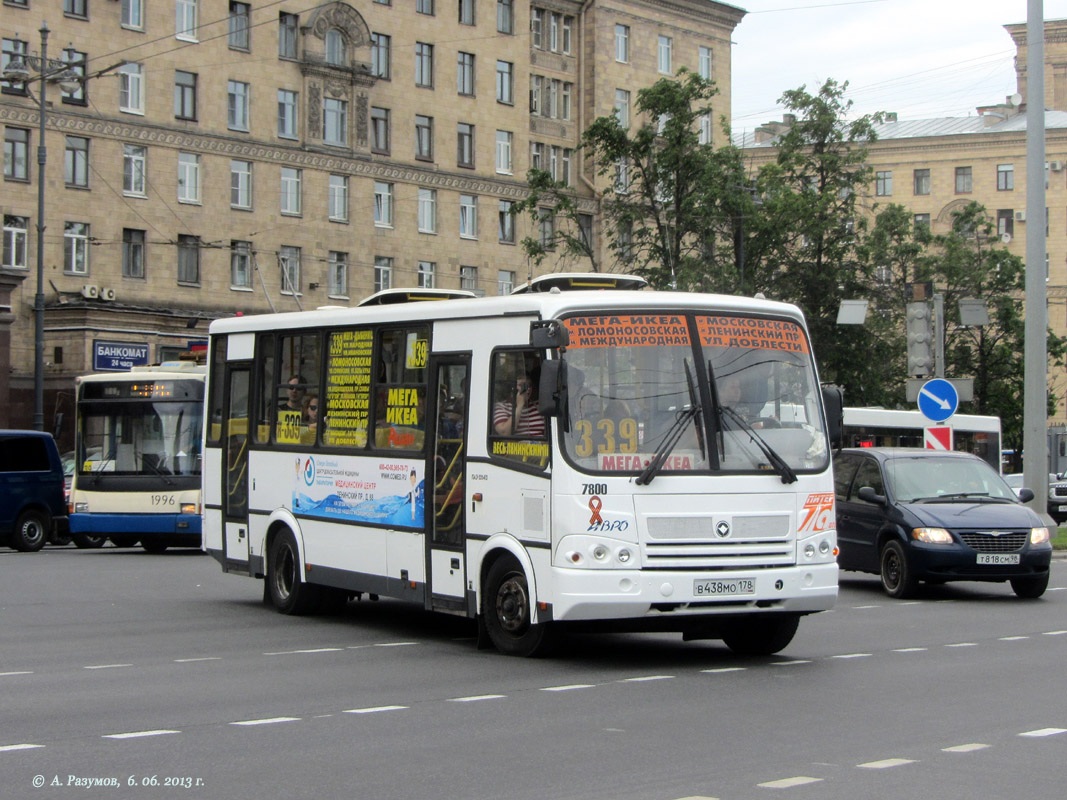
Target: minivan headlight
pixel 1038 535
pixel 931 535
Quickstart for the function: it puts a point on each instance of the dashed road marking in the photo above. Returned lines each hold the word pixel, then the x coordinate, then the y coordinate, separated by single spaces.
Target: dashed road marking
pixel 721 670
pixel 309 650
pixel 1054 633
pixel 910 650
pixel 568 687
pixel 108 666
pixel 269 721
pixel 788 783
pixel 1012 638
pixel 886 763
pixel 10 674
pixel 964 748
pixel 1044 732
pixel 7 748
pixel 374 709
pixel 476 698
pixel 201 658
pixel 138 734
pixel 853 655
pixel 790 663
pixel 646 678
pixel 963 644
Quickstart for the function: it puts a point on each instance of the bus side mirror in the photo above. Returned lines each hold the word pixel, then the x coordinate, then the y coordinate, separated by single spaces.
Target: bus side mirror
pixel 833 402
pixel 552 389
pixel 548 333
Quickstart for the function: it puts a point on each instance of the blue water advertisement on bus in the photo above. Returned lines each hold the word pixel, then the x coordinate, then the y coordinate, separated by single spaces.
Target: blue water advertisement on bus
pixel 381 492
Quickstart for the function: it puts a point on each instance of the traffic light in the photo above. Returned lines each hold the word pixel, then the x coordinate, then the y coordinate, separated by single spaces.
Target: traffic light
pixel 920 331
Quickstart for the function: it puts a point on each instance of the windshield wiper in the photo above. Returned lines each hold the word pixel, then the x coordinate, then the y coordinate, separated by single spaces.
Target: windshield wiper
pixel 699 423
pixel 667 445
pixel 780 466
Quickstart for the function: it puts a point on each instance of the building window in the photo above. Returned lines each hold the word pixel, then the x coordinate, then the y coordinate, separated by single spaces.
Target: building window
pixel 239 28
pixel 921 219
pixel 335 48
pixel 585 229
pixel 76 162
pixel 568 33
pixel 188 258
pixel 503 152
pixel 77 60
pixel 335 121
pixel 132 14
pixel 622 107
pixel 465 145
pixel 424 7
pixel 240 183
pixel 704 130
pixel 16 239
pixel 337 277
pixel 537 155
pixel 537 28
pixel 289 264
pixel 1005 177
pixel 291 191
pixel 922 181
pixel 131 88
pixel 240 264
pixel 427 211
pixel 505 16
pixel 426 274
pixel 287 111
pixel 379 130
pixel 537 88
pixel 237 101
pixel 704 63
pixel 185 19
pixel 287 26
pixel 963 180
pixel 424 65
pixel 505 281
pixel 380 46
pixel 16 154
pixel 546 229
pixel 184 94
pixel 664 55
pixel 76 248
pixel 132 253
pixel 622 44
pixel 565 166
pixel 423 138
pixel 12 48
pixel 1005 222
pixel 468 278
pixel 883 183
pixel 505 222
pixel 338 199
pixel 383 272
pixel 133 169
pixel 76 8
pixel 468 216
pixel 466 12
pixel 465 73
pixel 505 89
pixel 383 204
pixel 188 178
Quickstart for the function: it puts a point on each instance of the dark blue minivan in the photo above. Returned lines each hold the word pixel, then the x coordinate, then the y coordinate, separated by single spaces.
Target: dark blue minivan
pixel 33 508
pixel 913 515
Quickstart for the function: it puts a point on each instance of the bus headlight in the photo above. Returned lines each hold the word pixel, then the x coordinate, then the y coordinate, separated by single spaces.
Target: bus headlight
pixel 81 508
pixel 585 551
pixel 818 549
pixel 190 508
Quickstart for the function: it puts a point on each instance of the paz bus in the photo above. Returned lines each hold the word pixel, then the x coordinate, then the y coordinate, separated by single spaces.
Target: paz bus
pixel 547 460
pixel 137 457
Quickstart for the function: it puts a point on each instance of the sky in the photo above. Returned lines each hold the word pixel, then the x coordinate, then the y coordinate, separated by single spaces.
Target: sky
pixel 920 58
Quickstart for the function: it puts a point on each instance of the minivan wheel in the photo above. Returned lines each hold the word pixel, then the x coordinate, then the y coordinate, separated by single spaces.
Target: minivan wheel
pixel 1030 588
pixel 30 532
pixel 898 580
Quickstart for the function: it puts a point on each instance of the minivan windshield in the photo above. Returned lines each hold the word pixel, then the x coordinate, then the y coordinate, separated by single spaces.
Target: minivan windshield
pixel 931 478
pixel 691 392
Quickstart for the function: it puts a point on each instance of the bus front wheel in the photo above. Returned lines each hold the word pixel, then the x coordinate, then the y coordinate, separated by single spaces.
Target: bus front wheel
pixel 508 613
pixel 288 594
pixel 762 636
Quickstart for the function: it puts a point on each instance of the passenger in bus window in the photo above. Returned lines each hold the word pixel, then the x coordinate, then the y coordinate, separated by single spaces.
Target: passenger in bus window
pixel 294 400
pixel 518 415
pixel 311 410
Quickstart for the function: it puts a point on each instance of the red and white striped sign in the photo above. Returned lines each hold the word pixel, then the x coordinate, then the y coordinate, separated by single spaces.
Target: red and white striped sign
pixel 938 438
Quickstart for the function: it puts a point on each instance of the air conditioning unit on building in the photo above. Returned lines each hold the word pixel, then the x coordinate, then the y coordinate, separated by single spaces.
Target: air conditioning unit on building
pixel 1055 166
pixel 107 293
pixel 90 292
pixel 1020 216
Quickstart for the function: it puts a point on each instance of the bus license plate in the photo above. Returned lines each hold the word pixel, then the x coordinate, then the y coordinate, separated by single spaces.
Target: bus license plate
pixel 705 588
pixel 998 558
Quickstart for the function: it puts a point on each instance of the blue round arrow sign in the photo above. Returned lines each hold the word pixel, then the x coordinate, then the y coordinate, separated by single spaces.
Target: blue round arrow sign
pixel 938 399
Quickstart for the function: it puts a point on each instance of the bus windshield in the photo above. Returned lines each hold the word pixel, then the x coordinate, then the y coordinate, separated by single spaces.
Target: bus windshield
pixel 692 393
pixel 140 438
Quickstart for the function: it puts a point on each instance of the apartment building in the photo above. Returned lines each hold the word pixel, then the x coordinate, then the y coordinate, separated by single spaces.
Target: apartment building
pixel 229 157
pixel 937 166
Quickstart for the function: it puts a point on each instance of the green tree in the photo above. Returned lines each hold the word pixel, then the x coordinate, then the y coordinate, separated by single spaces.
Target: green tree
pixel 560 225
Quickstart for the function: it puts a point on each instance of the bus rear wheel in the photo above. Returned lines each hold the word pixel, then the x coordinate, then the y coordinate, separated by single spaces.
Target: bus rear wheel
pixel 87 542
pixel 508 613
pixel 124 540
pixel 155 548
pixel 288 593
pixel 762 636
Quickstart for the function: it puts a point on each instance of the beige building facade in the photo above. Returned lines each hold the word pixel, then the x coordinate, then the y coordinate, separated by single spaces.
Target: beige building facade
pixel 247 157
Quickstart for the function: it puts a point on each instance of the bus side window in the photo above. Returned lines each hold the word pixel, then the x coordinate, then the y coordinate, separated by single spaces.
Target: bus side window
pixel 400 389
pixel 300 362
pixel 517 430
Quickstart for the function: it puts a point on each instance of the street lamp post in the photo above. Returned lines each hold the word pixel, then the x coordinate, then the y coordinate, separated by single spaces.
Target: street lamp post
pixel 18 70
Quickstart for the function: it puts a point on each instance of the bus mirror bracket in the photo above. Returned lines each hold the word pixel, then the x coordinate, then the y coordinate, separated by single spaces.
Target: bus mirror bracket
pixel 548 333
pixel 552 388
pixel 833 401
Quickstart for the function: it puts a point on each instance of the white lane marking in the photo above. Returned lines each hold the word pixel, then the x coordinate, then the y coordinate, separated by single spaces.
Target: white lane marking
pixel 721 670
pixel 789 663
pixel 394 644
pixel 698 797
pixel 270 721
pixel 853 655
pixel 1054 633
pixel 374 709
pixel 568 688
pixel 8 674
pixel 310 650
pixel 862 607
pixel 886 763
pixel 788 783
pixel 1012 638
pixel 476 698
pixel 645 678
pixel 7 748
pixel 137 734
pixel 108 666
pixel 963 644
pixel 202 658
pixel 964 748
pixel 911 603
pixel 1044 732
pixel 910 650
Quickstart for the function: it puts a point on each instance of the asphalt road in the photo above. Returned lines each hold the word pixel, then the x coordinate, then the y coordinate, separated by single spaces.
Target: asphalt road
pixel 138 671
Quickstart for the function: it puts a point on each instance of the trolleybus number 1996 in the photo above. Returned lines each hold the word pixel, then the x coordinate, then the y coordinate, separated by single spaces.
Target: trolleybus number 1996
pixel 738 586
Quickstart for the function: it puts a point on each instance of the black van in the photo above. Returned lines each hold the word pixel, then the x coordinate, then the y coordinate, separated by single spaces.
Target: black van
pixel 32 506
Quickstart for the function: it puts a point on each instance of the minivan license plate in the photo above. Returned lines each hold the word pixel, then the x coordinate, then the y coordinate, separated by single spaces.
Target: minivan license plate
pixel 998 558
pixel 704 588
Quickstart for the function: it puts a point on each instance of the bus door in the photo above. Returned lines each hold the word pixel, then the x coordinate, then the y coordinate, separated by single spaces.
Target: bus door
pixel 235 442
pixel 446 570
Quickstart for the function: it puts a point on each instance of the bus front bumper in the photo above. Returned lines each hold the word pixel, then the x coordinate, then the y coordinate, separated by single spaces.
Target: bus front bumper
pixel 105 524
